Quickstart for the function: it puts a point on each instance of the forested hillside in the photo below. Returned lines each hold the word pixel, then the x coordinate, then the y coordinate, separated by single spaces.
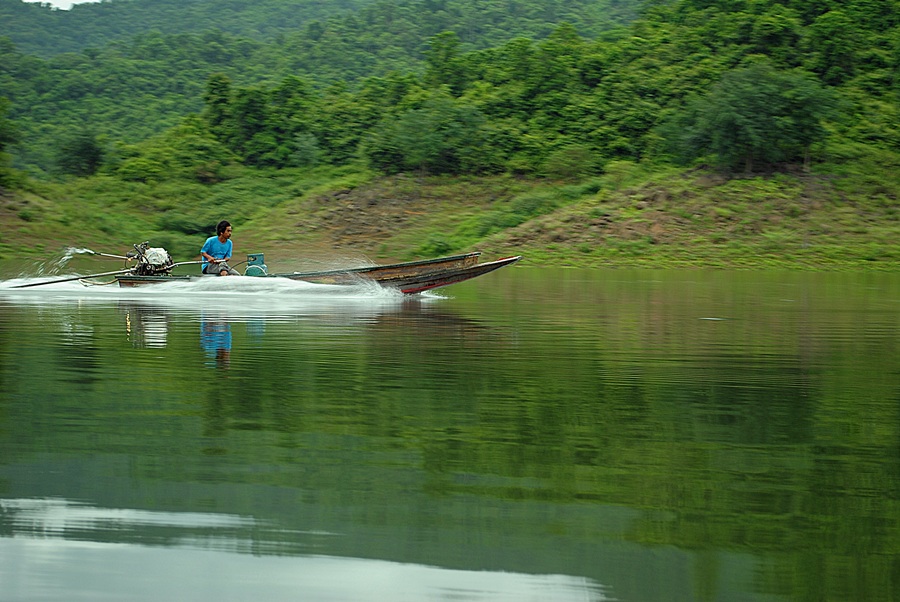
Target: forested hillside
pixel 462 89
pixel 40 30
pixel 141 84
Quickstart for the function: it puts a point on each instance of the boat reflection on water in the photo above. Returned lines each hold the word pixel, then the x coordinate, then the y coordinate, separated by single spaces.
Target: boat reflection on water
pixel 49 544
pixel 145 327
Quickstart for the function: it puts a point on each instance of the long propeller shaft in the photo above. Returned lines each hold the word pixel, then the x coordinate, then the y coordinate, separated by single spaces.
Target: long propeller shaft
pixel 109 255
pixel 72 278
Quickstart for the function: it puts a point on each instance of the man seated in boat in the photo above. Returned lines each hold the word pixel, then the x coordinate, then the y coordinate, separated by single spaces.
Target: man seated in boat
pixel 216 252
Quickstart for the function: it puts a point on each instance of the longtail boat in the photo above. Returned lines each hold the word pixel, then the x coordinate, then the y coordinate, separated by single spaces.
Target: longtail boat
pixel 154 266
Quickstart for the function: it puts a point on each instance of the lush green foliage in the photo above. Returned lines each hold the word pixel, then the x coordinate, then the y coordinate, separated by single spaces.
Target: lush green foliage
pixel 753 115
pixel 79 154
pixel 8 135
pixel 562 106
pixel 356 29
pixel 441 135
pixel 565 105
pixel 41 30
pixel 137 86
pixel 429 87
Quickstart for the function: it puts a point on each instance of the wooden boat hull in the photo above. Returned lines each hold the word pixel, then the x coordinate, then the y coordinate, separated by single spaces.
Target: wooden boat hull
pixel 410 277
pixel 426 281
pixel 387 272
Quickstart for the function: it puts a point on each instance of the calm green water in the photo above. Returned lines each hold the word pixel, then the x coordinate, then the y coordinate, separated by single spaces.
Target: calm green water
pixel 535 434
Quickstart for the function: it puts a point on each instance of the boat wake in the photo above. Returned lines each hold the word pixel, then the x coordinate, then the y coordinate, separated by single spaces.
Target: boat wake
pixel 231 288
pixel 233 298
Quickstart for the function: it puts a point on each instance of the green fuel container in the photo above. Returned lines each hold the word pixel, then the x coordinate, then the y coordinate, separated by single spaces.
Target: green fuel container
pixel 256 265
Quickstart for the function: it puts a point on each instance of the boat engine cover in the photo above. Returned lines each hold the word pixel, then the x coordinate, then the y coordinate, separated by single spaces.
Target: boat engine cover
pixel 158 257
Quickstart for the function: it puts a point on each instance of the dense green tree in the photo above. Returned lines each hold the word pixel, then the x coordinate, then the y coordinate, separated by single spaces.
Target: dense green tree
pixel 80 154
pixel 775 32
pixel 186 151
pixel 342 120
pixel 217 106
pixel 571 162
pixel 8 131
pixel 444 66
pixel 754 115
pixel 253 137
pixel 291 115
pixel 833 41
pixel 9 134
pixel 442 136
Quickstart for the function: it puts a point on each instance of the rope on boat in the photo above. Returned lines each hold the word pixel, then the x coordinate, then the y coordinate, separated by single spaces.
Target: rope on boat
pixel 92 283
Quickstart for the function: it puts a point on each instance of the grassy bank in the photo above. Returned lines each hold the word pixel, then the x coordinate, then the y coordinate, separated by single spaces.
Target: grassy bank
pixel 630 217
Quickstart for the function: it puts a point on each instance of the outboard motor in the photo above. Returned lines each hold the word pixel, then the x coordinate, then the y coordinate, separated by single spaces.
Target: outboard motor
pixel 256 265
pixel 151 260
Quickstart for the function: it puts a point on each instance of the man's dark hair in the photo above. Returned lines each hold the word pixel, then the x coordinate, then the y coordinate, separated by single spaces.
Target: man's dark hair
pixel 221 226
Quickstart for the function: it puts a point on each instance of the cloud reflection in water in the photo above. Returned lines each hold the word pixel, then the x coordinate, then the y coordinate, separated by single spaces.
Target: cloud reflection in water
pixel 53 549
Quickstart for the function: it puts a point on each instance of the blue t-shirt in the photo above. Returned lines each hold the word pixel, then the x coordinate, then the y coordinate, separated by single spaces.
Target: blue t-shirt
pixel 219 250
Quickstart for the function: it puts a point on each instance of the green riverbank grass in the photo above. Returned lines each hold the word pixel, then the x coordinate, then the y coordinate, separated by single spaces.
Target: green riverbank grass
pixel 632 216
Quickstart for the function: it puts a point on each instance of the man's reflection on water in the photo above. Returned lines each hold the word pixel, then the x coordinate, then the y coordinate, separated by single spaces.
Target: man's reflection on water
pixel 215 338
